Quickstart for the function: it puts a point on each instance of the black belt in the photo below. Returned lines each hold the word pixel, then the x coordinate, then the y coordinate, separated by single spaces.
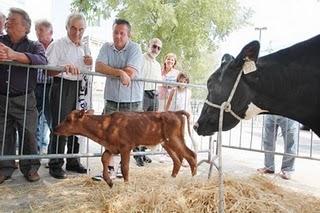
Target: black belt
pixel 122 104
pixel 58 80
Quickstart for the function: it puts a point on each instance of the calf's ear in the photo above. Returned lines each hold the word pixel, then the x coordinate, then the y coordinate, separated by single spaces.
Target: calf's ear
pixel 248 52
pixel 81 113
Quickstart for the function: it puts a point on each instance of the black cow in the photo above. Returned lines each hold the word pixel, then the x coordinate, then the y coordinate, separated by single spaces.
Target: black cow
pixel 286 83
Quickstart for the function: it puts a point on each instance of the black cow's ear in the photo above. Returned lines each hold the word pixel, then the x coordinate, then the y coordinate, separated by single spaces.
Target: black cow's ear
pixel 250 51
pixel 226 58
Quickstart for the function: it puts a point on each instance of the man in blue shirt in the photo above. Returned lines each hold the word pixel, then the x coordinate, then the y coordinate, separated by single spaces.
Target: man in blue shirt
pixel 121 60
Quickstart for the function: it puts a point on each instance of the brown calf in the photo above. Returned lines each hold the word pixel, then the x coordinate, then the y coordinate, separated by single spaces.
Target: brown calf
pixel 120 132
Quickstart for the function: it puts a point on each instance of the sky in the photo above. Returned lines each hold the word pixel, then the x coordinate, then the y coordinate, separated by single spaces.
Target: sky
pixel 287 22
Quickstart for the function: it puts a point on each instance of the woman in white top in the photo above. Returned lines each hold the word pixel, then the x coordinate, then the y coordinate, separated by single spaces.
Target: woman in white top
pixel 169 73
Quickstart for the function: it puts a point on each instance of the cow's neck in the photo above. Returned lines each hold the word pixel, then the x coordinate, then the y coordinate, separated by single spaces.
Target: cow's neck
pixel 282 86
pixel 271 88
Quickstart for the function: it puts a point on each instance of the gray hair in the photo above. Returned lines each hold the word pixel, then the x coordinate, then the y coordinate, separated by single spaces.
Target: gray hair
pixel 43 22
pixel 25 17
pixel 155 41
pixel 75 16
pixel 2 16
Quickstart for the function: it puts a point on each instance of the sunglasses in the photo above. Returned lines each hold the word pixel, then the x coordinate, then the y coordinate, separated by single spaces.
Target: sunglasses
pixel 156 47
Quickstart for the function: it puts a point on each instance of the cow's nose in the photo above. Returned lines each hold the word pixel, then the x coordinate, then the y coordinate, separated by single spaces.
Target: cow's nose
pixel 195 126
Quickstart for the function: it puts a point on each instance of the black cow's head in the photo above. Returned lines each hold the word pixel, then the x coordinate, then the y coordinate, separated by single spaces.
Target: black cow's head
pixel 220 85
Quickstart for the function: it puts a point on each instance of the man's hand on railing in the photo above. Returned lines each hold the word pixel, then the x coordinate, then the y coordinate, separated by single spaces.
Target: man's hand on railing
pixel 8 54
pixel 87 60
pixel 125 78
pixel 71 69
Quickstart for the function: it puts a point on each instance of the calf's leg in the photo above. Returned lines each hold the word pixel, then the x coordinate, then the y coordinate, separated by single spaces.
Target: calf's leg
pixel 125 159
pixel 176 161
pixel 105 159
pixel 179 147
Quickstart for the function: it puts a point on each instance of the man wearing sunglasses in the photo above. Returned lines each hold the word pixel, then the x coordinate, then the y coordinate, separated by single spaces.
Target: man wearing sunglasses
pixel 151 70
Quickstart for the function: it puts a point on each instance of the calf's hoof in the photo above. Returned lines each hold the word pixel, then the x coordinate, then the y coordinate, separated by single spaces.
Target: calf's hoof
pixel 110 184
pixel 194 171
pixel 173 175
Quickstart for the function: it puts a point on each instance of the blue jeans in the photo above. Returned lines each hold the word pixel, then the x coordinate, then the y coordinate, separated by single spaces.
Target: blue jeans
pixel 289 129
pixel 44 117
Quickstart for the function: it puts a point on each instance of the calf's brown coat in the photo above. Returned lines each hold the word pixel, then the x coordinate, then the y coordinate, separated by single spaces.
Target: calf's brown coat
pixel 120 132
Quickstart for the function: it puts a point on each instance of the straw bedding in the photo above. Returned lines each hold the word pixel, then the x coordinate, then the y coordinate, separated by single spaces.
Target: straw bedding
pixel 153 190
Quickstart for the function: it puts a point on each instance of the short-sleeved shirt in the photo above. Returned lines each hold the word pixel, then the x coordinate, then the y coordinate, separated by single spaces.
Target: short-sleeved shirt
pixel 129 56
pixel 170 77
pixel 18 76
pixel 151 69
pixel 64 51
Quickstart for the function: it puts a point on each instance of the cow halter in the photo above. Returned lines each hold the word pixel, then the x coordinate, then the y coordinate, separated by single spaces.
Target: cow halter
pixel 248 66
pixel 226 106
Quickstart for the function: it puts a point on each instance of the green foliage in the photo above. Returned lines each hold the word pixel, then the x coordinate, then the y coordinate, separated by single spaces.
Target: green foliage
pixel 188 28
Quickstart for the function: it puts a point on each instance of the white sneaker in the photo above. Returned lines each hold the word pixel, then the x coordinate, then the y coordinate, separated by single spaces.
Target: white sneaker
pixel 43 151
pixel 118 174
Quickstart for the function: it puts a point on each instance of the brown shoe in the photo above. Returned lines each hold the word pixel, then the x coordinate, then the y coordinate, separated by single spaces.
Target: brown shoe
pixel 3 178
pixel 32 176
pixel 265 170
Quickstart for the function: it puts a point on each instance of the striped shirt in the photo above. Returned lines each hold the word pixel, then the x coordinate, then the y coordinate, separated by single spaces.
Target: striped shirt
pixel 42 78
pixel 151 69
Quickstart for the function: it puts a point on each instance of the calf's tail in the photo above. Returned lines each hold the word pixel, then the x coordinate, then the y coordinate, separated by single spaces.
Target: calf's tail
pixel 194 143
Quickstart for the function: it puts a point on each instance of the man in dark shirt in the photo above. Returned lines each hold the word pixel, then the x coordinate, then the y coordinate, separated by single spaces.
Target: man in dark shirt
pixel 17 100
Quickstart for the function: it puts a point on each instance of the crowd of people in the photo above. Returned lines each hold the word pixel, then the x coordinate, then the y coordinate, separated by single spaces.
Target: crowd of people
pixel 51 94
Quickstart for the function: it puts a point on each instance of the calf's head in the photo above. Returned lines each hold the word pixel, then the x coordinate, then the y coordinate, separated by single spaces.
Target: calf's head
pixel 220 85
pixel 72 124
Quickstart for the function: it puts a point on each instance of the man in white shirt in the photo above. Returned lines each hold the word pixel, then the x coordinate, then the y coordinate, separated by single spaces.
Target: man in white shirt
pixel 70 53
pixel 151 70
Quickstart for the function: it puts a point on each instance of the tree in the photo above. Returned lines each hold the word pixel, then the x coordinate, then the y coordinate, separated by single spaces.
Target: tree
pixel 189 28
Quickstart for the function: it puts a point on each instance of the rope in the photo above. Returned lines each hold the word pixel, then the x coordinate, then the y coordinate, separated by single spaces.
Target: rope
pixel 226 106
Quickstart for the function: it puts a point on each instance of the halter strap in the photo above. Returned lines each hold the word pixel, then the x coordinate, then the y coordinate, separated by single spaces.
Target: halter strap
pixel 227 104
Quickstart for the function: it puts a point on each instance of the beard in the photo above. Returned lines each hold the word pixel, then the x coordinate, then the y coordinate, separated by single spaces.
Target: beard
pixel 153 54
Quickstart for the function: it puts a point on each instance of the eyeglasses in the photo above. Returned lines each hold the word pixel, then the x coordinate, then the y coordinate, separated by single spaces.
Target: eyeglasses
pixel 156 47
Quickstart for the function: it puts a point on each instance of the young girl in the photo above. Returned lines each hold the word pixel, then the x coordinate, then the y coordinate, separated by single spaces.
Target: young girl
pixel 180 97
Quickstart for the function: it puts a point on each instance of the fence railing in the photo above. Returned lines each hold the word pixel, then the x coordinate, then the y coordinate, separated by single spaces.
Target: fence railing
pixel 245 136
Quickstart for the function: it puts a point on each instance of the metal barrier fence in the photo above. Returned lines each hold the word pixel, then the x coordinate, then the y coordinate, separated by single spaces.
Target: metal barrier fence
pixel 97 92
pixel 245 136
